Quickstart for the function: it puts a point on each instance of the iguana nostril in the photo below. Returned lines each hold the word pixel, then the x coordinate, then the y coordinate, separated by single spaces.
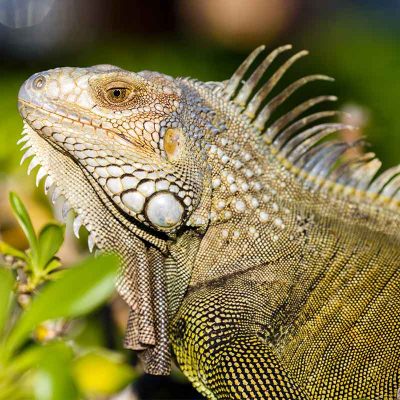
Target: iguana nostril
pixel 39 82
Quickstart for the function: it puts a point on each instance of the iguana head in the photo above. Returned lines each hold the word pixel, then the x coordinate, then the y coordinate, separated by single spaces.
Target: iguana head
pixel 134 134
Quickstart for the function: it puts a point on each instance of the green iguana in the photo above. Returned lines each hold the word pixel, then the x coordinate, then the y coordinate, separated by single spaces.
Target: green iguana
pixel 252 250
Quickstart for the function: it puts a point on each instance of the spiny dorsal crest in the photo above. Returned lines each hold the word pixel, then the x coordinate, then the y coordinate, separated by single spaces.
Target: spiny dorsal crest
pixel 298 138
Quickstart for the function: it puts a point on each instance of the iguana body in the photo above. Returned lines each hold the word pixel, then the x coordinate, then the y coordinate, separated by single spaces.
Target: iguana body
pixel 271 270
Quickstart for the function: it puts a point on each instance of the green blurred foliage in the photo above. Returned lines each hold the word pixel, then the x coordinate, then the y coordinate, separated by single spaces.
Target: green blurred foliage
pixel 40 259
pixel 10 123
pixel 52 366
pixel 364 58
pixel 102 373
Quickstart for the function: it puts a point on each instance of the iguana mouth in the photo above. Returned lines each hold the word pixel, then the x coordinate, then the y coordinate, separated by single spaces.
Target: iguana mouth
pixel 66 117
pixel 52 187
pixel 58 193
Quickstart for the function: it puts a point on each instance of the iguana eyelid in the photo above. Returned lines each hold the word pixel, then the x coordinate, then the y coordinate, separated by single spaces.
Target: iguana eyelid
pixel 128 91
pixel 118 85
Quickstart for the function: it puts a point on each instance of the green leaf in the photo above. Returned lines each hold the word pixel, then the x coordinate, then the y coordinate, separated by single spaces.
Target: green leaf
pixel 102 373
pixel 78 292
pixel 53 265
pixel 26 360
pixel 56 275
pixel 5 248
pixel 51 238
pixel 50 381
pixel 25 222
pixel 53 378
pixel 6 295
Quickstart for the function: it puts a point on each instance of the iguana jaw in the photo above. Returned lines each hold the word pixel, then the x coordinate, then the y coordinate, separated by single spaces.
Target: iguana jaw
pixel 96 156
pixel 80 193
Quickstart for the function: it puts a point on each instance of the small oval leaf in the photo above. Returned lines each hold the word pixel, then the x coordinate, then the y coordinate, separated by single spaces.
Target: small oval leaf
pixel 51 238
pixel 25 222
pixel 5 248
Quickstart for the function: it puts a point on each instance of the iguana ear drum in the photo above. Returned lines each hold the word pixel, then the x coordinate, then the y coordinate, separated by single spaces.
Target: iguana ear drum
pixel 173 143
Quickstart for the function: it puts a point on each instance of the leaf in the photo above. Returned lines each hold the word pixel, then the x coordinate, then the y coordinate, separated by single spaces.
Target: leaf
pixel 51 238
pixel 78 292
pixel 53 379
pixel 5 248
pixel 29 357
pixel 50 381
pixel 100 373
pixel 52 265
pixel 56 275
pixel 26 359
pixel 6 295
pixel 25 222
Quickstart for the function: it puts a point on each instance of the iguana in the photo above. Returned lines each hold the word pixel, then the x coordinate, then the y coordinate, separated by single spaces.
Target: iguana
pixel 252 248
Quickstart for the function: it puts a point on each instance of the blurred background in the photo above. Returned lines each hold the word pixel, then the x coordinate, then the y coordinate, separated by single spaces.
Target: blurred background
pixel 355 41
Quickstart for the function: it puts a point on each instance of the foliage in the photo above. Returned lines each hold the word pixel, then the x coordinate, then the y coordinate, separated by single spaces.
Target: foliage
pixel 40 262
pixel 37 361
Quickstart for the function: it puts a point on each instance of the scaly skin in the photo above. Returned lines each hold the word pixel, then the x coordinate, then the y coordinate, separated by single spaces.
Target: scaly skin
pixel 271 269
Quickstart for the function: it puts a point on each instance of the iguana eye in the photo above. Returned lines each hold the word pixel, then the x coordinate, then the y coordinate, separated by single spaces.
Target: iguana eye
pixel 117 94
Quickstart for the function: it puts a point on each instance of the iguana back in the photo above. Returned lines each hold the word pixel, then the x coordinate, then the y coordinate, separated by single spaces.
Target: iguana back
pixel 318 258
